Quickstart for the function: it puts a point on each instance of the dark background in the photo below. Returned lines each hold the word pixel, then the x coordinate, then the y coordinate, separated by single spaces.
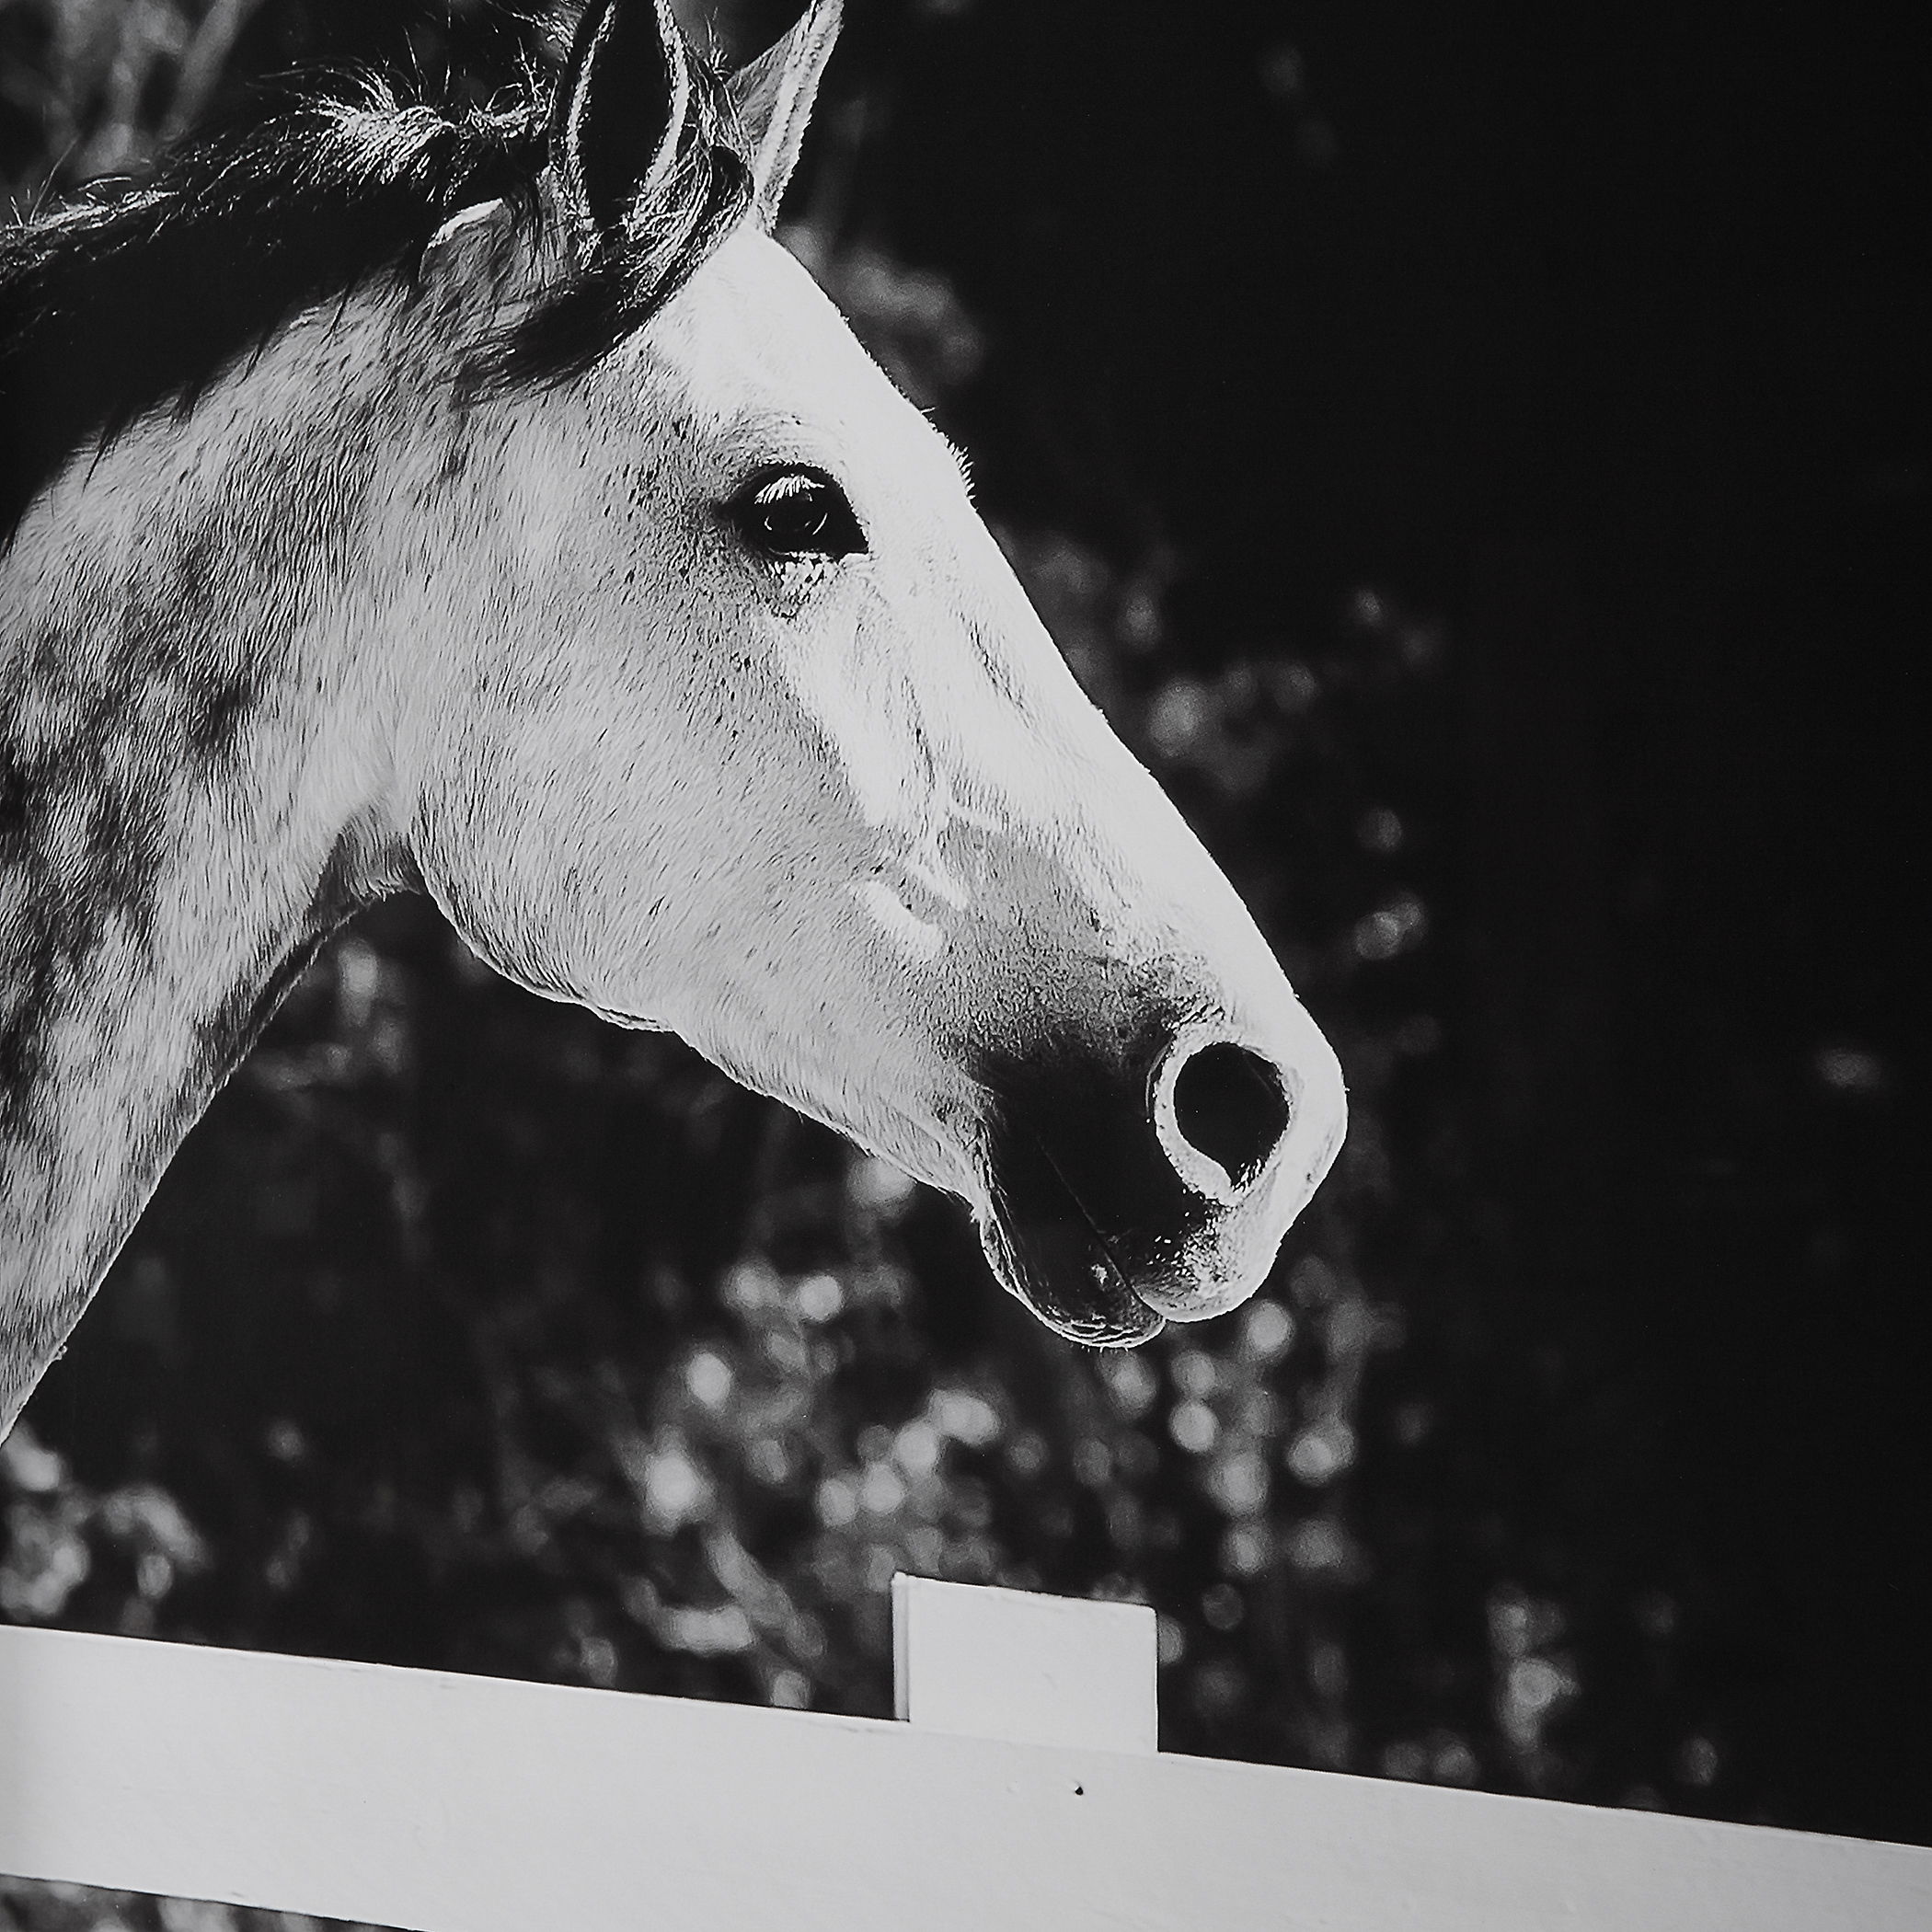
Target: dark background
pixel 1479 456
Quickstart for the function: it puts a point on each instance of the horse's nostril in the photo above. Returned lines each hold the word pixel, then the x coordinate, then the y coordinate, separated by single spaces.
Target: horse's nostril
pixel 1228 1104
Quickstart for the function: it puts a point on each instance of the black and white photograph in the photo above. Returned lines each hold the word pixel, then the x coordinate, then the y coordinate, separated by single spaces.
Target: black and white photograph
pixel 956 967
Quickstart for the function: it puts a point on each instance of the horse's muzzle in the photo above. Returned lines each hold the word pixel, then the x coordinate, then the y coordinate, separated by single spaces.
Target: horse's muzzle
pixel 1150 1178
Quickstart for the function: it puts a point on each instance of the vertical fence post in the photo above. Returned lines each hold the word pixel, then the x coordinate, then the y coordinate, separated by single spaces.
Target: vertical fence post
pixel 1034 1670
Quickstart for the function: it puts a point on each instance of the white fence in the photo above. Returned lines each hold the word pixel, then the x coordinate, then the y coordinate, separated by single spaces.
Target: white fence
pixel 1022 1790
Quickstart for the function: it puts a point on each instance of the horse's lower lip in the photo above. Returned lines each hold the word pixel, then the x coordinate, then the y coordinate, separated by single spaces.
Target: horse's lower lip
pixel 1103 1310
pixel 1044 1247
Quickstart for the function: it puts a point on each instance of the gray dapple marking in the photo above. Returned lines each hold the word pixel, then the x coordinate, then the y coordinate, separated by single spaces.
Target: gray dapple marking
pixel 501 512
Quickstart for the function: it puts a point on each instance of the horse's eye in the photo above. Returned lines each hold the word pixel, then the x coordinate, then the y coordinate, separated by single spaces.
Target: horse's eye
pixel 789 515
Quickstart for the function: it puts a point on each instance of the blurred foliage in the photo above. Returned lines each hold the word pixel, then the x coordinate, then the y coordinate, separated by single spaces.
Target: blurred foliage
pixel 468 1333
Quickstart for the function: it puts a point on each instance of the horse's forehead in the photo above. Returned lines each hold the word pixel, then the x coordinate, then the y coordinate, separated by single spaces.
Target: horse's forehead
pixel 753 334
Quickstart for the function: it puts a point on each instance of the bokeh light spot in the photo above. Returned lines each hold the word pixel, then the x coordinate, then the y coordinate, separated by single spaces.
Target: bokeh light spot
pixel 916 1448
pixel 965 1417
pixel 1238 1482
pixel 1194 1427
pixel 1697 1762
pixel 1266 1330
pixel 819 1297
pixel 1321 1452
pixel 708 1378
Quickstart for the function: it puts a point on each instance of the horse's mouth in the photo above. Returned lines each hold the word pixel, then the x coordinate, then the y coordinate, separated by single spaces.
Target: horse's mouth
pixel 1045 1247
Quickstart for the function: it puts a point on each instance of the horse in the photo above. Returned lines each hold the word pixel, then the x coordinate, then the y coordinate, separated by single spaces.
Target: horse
pixel 484 503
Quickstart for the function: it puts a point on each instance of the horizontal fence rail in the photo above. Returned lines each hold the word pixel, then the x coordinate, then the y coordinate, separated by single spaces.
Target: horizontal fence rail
pixel 1022 1790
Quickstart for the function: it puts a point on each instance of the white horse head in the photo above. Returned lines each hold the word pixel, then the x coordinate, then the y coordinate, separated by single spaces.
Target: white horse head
pixel 748 731
pixel 595 580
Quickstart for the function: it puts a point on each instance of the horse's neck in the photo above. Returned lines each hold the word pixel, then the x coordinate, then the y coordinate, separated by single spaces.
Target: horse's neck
pixel 192 791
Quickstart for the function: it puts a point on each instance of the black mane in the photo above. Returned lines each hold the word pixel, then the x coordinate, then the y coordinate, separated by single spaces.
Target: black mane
pixel 133 299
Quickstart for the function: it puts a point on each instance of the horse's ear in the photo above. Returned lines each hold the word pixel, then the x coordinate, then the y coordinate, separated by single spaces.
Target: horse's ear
pixel 619 108
pixel 774 95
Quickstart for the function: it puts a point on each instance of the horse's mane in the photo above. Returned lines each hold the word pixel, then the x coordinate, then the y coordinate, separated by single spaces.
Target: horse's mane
pixel 140 296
